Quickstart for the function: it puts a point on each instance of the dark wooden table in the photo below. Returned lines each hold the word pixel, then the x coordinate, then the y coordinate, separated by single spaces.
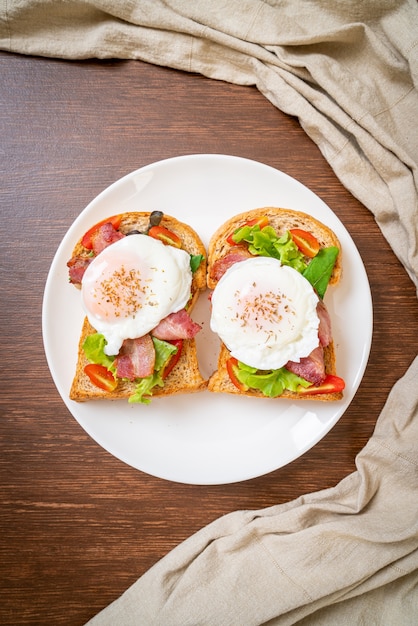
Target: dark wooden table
pixel 77 525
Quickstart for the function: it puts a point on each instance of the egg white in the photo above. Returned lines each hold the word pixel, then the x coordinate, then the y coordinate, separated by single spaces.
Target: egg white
pixel 132 285
pixel 265 313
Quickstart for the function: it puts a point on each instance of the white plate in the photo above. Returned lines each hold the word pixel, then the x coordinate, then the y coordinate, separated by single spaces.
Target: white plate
pixel 208 438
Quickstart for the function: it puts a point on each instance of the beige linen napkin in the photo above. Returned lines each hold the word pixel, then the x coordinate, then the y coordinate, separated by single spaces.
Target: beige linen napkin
pixel 349 71
pixel 346 555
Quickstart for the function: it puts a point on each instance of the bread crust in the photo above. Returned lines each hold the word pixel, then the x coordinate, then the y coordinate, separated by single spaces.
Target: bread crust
pixel 281 219
pixel 185 376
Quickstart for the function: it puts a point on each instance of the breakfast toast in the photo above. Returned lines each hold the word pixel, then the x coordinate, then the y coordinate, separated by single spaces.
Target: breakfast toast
pixel 224 252
pixel 184 376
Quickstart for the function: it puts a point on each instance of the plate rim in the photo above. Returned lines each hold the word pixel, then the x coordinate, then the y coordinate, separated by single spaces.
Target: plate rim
pixel 90 207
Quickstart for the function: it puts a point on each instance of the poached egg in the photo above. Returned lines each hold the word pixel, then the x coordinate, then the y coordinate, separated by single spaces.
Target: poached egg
pixel 265 313
pixel 132 285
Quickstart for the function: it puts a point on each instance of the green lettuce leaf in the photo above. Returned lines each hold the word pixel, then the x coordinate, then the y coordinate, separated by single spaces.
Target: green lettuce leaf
pixel 271 383
pixel 195 261
pixel 320 269
pixel 265 242
pixel 163 351
pixel 144 388
pixel 93 347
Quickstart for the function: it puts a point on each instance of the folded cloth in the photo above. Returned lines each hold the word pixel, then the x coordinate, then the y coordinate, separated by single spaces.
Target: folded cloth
pixel 346 555
pixel 349 72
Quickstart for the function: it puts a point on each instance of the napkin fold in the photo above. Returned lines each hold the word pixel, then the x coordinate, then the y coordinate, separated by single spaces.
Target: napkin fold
pixel 345 555
pixel 348 71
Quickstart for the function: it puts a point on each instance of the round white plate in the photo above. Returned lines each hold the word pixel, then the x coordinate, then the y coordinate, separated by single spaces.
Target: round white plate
pixel 207 438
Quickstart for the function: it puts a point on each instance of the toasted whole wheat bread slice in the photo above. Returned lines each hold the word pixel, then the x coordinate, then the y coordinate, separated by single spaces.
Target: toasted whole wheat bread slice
pixel 185 376
pixel 281 220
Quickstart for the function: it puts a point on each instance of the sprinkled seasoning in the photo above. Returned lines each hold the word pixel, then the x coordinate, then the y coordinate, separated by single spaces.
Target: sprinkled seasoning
pixel 264 309
pixel 265 313
pixel 123 291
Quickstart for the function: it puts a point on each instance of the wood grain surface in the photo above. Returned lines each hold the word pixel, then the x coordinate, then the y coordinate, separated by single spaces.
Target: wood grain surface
pixel 77 525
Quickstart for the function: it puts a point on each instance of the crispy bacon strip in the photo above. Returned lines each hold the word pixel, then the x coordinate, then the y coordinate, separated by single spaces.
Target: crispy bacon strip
pixel 136 358
pixel 105 235
pixel 176 326
pixel 220 266
pixel 311 368
pixel 324 330
pixel 77 265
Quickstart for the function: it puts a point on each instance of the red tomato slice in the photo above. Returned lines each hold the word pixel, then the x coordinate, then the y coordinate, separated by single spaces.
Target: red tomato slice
pixel 261 221
pixel 165 235
pixel 231 367
pixel 331 384
pixel 173 360
pixel 305 241
pixel 87 240
pixel 101 376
